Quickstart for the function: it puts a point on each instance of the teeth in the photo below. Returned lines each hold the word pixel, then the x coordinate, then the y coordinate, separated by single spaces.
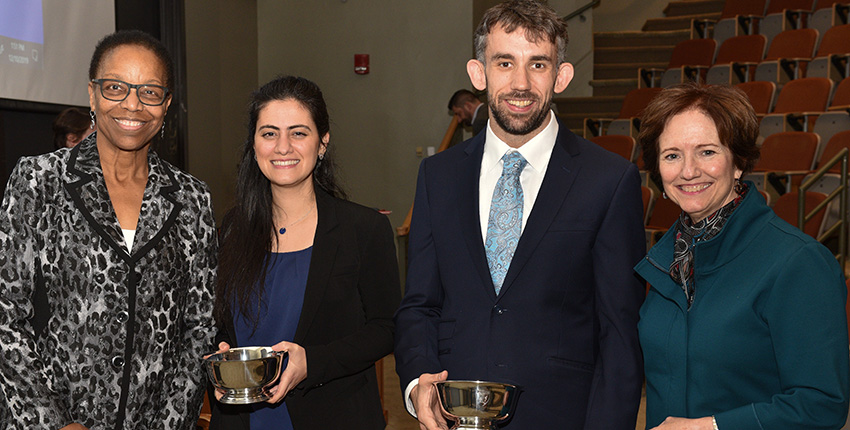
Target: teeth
pixel 129 123
pixel 285 163
pixel 519 103
pixel 693 188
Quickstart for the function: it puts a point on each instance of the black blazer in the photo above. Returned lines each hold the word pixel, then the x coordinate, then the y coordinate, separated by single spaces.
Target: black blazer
pixel 564 326
pixel 345 325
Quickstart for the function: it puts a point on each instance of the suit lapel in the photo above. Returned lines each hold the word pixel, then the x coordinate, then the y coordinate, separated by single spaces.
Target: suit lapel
pixel 91 197
pixel 560 175
pixel 325 246
pixel 467 204
pixel 159 208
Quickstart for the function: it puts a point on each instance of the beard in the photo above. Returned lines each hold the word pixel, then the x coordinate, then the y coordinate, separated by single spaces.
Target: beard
pixel 519 125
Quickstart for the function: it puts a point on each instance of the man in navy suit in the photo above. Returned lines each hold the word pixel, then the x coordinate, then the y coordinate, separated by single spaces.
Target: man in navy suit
pixel 553 306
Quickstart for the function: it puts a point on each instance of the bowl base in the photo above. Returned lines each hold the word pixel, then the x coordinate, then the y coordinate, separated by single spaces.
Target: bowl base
pixel 244 397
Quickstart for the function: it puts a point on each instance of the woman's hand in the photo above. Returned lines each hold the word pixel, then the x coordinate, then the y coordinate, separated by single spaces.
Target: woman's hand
pixel 295 372
pixel 675 423
pixel 74 426
pixel 222 347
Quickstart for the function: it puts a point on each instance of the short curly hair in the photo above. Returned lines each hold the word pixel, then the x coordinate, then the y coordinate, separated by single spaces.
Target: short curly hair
pixel 137 38
pixel 534 17
pixel 729 108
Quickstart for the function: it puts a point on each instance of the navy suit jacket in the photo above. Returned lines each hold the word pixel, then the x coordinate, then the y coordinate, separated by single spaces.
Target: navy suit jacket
pixel 564 326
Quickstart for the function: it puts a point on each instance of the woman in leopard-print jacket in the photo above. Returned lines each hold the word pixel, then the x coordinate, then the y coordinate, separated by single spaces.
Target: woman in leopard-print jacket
pixel 101 329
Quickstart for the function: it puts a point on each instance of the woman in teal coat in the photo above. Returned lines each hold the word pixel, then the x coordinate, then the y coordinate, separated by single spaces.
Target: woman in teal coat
pixel 744 325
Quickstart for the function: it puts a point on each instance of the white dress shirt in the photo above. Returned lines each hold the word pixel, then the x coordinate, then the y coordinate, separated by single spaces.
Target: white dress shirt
pixel 537 152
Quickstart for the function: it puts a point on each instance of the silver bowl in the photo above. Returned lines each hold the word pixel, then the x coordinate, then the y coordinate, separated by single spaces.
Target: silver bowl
pixel 245 374
pixel 476 404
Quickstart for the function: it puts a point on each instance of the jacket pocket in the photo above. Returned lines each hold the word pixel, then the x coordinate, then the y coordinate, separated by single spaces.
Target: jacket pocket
pixel 571 364
pixel 445 333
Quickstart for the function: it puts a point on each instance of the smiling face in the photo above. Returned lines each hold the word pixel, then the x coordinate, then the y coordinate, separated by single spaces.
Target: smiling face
pixel 287 143
pixel 128 125
pixel 697 170
pixel 520 77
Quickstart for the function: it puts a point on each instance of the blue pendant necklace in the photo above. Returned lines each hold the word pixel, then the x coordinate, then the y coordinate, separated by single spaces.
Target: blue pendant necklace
pixel 283 229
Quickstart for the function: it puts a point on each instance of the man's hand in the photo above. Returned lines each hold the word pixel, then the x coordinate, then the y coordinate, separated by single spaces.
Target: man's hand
pixel 426 402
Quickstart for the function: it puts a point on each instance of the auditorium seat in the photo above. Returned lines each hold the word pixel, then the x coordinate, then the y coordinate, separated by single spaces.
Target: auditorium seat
pixel 782 15
pixel 736 58
pixel 837 118
pixel 738 17
pixel 797 100
pixel 664 214
pixel 690 60
pixel 829 13
pixel 627 121
pixel 831 60
pixel 787 55
pixel 782 155
pixel 787 205
pixel 621 145
pixel 761 95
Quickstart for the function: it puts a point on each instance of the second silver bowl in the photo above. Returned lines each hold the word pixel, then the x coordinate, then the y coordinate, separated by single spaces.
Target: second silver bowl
pixel 244 373
pixel 476 404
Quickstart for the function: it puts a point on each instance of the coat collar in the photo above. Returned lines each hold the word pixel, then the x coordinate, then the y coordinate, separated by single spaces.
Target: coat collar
pixel 325 245
pixel 87 188
pixel 743 226
pixel 560 174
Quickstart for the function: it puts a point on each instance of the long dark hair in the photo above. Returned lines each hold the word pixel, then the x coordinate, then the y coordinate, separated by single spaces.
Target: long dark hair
pixel 247 228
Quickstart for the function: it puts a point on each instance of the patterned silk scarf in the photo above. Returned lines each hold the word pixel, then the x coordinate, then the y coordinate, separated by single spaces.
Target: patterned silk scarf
pixel 688 234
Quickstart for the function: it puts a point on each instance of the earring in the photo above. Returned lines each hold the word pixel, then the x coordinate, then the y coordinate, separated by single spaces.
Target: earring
pixel 321 157
pixel 162 132
pixel 91 114
pixel 664 195
pixel 739 186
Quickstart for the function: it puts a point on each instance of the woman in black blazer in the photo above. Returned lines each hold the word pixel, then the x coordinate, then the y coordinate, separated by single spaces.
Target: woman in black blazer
pixel 305 271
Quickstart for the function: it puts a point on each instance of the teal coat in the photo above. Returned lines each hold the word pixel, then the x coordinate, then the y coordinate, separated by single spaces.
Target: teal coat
pixel 764 345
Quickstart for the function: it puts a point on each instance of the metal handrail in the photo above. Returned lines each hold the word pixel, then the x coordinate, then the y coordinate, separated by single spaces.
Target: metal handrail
pixel 581 10
pixel 840 192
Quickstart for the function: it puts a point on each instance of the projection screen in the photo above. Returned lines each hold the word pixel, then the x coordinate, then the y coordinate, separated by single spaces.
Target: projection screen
pixel 45 47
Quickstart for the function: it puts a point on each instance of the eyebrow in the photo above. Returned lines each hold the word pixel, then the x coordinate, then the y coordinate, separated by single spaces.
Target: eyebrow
pixel 505 56
pixel 115 77
pixel 291 127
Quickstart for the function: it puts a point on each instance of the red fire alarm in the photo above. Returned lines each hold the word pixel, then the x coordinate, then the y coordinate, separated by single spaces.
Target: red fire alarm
pixel 361 64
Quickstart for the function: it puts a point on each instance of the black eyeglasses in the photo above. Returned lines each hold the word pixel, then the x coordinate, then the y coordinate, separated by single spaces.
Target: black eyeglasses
pixel 117 91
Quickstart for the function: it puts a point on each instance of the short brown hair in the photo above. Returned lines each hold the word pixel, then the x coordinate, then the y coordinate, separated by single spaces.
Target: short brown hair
pixel 535 17
pixel 729 108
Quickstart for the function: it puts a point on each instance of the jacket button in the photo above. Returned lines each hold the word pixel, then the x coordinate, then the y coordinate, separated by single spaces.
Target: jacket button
pixel 498 309
pixel 118 362
pixel 122 317
pixel 160 337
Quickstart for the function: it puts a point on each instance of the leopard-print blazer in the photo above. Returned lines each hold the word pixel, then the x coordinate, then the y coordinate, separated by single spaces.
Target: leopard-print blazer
pixel 121 334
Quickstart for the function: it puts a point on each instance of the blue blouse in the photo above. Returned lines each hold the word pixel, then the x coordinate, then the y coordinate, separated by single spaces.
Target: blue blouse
pixel 286 281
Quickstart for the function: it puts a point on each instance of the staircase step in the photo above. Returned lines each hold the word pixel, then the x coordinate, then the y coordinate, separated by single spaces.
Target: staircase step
pixel 597 106
pixel 693 7
pixel 615 39
pixel 613 87
pixel 623 70
pixel 676 22
pixel 649 54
